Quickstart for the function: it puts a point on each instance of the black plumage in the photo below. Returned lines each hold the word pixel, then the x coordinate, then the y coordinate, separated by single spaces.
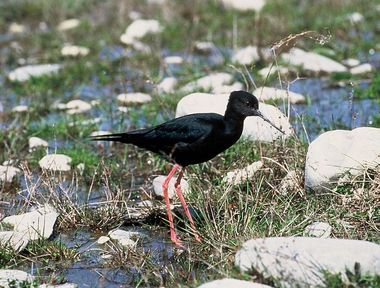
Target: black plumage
pixel 193 138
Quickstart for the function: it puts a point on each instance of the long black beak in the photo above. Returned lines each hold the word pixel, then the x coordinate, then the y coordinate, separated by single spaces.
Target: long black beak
pixel 267 120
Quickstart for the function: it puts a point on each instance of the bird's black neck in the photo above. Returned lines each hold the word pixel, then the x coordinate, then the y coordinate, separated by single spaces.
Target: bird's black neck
pixel 233 115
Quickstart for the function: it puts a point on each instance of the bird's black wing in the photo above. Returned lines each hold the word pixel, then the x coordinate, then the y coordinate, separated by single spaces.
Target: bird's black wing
pixel 165 137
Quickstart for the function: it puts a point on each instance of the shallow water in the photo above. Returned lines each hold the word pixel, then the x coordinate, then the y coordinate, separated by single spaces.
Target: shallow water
pixel 330 108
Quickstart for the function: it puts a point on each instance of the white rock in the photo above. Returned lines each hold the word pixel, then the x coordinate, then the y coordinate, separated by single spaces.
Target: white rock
pixel 86 122
pixel 361 69
pixel 244 5
pixel 318 229
pixel 245 56
pixel 159 180
pixel 239 176
pixel 232 283
pixel 355 17
pixel 134 15
pixel 55 162
pixel 173 60
pixel 289 183
pixel 103 240
pixel 9 162
pixel 127 239
pixel 66 285
pixel 26 72
pixel 106 256
pixel 77 106
pixel 351 62
pixel 16 28
pixel 336 153
pixel 35 142
pixel 122 109
pixel 254 127
pixel 210 82
pixel 268 71
pixel 133 98
pixel 312 61
pixel 228 88
pixel 68 24
pixel 156 2
pixel 145 204
pixel 43 26
pixel 20 108
pixel 14 239
pixel 167 85
pixel 18 276
pixel 298 261
pixel 140 28
pixel 270 93
pixel 99 133
pixel 74 51
pixel 36 224
pixel 7 173
pixel 204 47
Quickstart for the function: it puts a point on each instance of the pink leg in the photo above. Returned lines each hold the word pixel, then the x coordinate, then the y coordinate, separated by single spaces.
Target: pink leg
pixel 183 202
pixel 173 235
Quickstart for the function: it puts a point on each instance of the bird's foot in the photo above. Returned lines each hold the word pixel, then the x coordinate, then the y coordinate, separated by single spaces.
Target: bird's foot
pixel 175 239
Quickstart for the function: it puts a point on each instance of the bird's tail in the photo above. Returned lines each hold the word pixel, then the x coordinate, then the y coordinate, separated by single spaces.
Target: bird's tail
pixel 117 137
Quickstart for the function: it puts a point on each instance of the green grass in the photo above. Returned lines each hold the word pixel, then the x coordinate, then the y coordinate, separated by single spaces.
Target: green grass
pixel 372 91
pixel 227 214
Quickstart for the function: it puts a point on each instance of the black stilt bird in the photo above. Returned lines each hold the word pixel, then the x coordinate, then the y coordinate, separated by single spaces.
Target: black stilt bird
pixel 192 139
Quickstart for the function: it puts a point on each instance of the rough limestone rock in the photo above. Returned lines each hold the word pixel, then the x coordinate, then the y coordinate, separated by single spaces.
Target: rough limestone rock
pixel 159 180
pixel 139 29
pixel 133 98
pixel 56 162
pixel 66 285
pixel 318 229
pixel 289 183
pixel 77 106
pixel 236 86
pixel 8 173
pixel 268 71
pixel 244 5
pixel 239 176
pixel 203 47
pixel 351 62
pixel 36 224
pixel 312 61
pixel 254 127
pixel 18 276
pixel 127 239
pixel 103 240
pixel 270 93
pixel 26 72
pixel 68 24
pixel 300 260
pixel 16 28
pixel 20 109
pixel 167 85
pixel 361 69
pixel 173 60
pixel 16 240
pixel 246 56
pixel 74 51
pixel 36 142
pixel 340 153
pixel 355 17
pixel 232 283
pixel 210 82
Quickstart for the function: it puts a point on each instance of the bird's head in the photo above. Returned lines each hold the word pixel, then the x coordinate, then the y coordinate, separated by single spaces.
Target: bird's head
pixel 245 104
